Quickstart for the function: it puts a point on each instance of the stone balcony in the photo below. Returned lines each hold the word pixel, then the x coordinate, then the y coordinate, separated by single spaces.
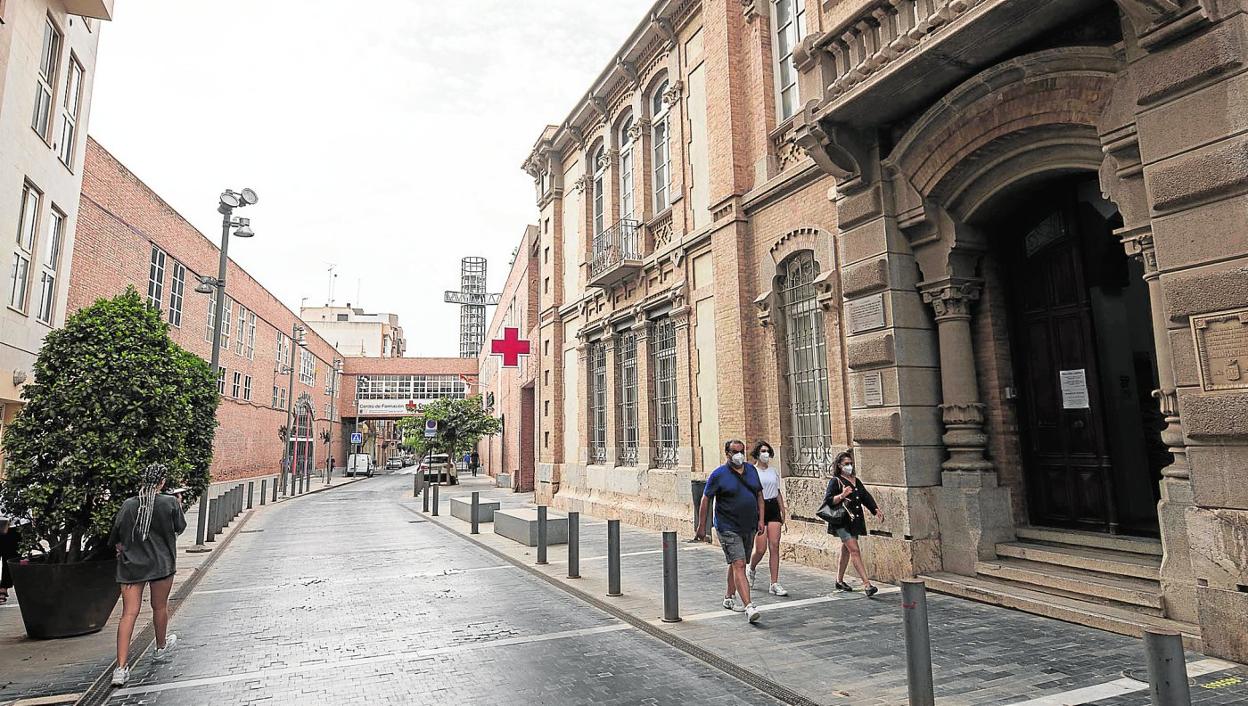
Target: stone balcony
pixel 99 9
pixel 617 254
pixel 892 57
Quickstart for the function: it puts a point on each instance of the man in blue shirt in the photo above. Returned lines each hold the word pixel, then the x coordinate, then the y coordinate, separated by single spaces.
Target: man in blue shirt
pixel 738 496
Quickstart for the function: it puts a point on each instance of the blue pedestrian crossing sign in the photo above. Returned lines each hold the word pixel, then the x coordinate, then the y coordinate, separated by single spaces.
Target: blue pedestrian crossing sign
pixel 431 428
pixel 357 437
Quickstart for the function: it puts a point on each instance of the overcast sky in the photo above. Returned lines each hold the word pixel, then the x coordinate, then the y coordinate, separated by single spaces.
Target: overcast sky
pixel 383 137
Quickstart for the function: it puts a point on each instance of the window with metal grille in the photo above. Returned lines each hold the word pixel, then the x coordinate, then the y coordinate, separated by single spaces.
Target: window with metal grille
pixel 626 429
pixel 597 403
pixel 666 423
pixel 811 448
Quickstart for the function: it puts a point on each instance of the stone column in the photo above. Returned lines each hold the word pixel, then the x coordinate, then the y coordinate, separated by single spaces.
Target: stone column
pixel 1178 585
pixel 645 387
pixel 582 396
pixel 974 510
pixel 684 388
pixel 613 398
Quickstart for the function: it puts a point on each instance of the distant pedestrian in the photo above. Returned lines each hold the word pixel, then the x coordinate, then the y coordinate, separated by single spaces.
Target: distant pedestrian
pixel 475 462
pixel 9 536
pixel 738 496
pixel 845 489
pixel 145 534
pixel 775 515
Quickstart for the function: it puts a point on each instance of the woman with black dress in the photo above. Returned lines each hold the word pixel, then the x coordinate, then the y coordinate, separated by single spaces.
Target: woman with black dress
pixel 145 533
pixel 845 488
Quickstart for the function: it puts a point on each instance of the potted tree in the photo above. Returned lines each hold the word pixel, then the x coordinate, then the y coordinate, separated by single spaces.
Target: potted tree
pixel 111 394
pixel 462 423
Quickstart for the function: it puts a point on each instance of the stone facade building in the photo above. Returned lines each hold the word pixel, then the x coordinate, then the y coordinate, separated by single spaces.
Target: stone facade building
pixel 47 75
pixel 511 392
pixel 994 245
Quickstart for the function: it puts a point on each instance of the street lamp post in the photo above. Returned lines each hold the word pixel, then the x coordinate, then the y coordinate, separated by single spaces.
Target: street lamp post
pixel 359 381
pixel 296 340
pixel 333 408
pixel 228 201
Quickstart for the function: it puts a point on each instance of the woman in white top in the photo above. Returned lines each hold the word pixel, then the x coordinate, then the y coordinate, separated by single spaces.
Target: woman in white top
pixel 774 514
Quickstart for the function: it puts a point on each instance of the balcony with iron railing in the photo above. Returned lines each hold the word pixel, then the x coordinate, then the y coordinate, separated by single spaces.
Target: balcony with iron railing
pixel 617 254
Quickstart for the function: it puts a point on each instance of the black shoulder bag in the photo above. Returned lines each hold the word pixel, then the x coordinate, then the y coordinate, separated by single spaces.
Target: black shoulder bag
pixel 834 515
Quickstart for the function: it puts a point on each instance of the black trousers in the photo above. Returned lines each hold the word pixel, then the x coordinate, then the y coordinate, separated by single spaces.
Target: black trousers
pixel 8 550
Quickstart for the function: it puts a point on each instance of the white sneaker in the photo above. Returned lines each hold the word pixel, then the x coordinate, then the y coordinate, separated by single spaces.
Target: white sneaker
pixel 731 604
pixel 752 614
pixel 121 675
pixel 777 590
pixel 162 653
pixel 750 574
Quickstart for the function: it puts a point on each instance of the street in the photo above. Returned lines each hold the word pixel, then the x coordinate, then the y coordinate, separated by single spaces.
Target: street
pixel 346 597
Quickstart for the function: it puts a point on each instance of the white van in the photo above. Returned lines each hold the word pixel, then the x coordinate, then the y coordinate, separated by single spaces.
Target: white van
pixel 359 464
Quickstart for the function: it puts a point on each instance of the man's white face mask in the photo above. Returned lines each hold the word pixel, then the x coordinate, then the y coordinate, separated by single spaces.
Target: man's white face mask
pixel 738 459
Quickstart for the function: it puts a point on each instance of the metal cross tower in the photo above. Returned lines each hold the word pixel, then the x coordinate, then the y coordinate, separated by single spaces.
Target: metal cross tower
pixel 472 299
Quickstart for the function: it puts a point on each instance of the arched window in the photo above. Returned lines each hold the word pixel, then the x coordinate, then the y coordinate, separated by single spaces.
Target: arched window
pixel 661 136
pixel 626 171
pixel 790 26
pixel 600 178
pixel 806 368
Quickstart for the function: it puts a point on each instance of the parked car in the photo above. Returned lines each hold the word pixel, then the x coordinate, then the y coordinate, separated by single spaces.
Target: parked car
pixel 394 463
pixel 360 464
pixel 409 459
pixel 439 466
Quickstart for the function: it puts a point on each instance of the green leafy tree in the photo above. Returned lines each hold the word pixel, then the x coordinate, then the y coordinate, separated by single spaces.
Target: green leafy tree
pixel 461 424
pixel 112 393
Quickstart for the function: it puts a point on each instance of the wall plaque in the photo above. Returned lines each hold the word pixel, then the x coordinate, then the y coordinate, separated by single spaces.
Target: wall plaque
pixel 873 389
pixel 1222 349
pixel 866 314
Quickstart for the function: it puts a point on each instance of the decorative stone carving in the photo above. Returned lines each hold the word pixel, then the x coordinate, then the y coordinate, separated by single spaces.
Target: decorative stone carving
pixel 825 290
pixel 580 184
pixel 609 158
pixel 788 152
pixel 640 127
pixel 839 151
pixel 763 304
pixel 1148 17
pixel 749 9
pixel 674 90
pixel 664 25
pixel 600 106
pixel 629 69
pixel 952 298
pixel 663 233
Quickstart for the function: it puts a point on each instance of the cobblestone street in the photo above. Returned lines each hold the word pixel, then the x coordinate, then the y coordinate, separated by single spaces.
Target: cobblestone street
pixel 354 596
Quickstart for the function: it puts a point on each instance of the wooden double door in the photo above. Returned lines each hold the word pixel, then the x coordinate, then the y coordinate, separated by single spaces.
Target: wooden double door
pixel 1085 368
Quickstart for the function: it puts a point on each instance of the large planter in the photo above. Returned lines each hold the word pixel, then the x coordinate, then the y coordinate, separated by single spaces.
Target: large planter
pixel 64 600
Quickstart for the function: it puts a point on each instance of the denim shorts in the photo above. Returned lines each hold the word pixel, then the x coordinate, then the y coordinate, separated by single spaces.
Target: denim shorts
pixel 736 546
pixel 844 534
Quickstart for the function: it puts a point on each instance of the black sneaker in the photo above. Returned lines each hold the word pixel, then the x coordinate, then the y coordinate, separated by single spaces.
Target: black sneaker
pixel 842 586
pixel 871 591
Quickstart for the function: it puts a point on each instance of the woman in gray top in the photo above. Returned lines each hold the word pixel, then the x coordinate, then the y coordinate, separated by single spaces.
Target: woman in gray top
pixel 145 533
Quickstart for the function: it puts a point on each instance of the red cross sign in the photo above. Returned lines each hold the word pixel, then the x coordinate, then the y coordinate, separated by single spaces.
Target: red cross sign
pixel 510 347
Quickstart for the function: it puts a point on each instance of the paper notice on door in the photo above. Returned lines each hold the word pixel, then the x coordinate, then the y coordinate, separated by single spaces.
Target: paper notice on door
pixel 1074 389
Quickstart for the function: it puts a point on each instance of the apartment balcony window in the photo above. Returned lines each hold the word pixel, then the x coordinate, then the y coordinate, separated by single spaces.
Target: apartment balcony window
pixel 627 429
pixel 617 254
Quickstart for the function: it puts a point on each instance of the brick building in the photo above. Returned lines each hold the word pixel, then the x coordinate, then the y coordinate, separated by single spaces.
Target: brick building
pixel 47 74
pixel 995 245
pixel 510 392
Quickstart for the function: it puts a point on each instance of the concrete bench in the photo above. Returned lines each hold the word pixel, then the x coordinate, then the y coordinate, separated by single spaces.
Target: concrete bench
pixel 520 525
pixel 461 508
pixel 502 480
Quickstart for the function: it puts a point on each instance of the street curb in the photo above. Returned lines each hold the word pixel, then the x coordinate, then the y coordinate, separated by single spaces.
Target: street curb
pixel 100 690
pixel 752 679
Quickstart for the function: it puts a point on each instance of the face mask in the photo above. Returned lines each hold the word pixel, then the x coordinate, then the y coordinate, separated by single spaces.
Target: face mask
pixel 764 456
pixel 849 469
pixel 738 459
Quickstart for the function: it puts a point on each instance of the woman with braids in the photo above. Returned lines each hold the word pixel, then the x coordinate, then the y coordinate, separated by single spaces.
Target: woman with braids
pixel 145 533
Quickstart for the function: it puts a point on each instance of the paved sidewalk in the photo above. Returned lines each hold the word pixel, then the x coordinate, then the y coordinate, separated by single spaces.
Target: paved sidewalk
pixel 842 648
pixel 44 668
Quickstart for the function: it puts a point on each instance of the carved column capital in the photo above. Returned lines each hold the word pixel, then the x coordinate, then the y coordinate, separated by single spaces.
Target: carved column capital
pixel 674 90
pixel 680 317
pixel 1139 244
pixel 580 184
pixel 749 9
pixel 763 304
pixel 640 127
pixel 951 298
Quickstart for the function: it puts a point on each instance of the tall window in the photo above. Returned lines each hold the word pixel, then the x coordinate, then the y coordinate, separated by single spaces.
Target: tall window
pixel 27 227
pixel 283 350
pixel 49 59
pixel 790 25
pixel 247 388
pixel 626 171
pixel 600 204
pixel 236 390
pixel 240 340
pixel 227 319
pixel 177 289
pixel 221 380
pixel 307 367
pixel 50 260
pixel 626 454
pixel 156 279
pixel 666 423
pixel 212 314
pixel 806 372
pixel 251 335
pixel 597 403
pixel 661 137
pixel 274 404
pixel 69 111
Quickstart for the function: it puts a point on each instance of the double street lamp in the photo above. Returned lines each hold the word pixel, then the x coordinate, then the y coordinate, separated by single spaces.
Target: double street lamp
pixel 228 201
pixel 298 339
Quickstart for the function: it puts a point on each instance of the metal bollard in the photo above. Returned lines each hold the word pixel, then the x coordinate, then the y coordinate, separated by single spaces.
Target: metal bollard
pixel 241 503
pixel 613 558
pixel 251 494
pixel 274 488
pixel 415 485
pixel 210 529
pixel 424 500
pixel 435 499
pixel 299 484
pixel 918 643
pixel 264 490
pixel 541 534
pixel 671 591
pixel 574 545
pixel 476 507
pixel 1167 669
pixel 236 507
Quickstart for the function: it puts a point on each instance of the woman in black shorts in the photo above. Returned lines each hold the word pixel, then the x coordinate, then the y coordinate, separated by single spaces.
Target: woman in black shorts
pixel 774 514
